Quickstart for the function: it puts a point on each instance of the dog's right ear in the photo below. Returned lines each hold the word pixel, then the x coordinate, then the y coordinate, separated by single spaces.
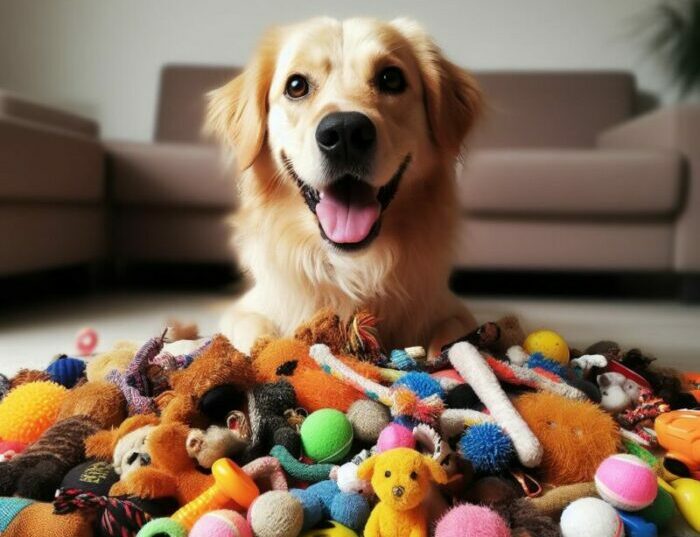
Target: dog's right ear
pixel 366 469
pixel 237 112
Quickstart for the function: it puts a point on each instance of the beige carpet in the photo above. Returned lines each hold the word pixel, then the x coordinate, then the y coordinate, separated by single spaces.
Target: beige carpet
pixel 30 337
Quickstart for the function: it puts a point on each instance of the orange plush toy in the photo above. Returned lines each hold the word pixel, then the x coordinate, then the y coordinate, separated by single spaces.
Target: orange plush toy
pixel 213 385
pixel 169 470
pixel 288 359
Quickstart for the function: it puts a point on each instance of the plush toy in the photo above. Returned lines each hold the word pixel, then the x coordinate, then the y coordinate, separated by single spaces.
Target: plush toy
pixel 576 435
pixel 168 470
pixel 27 518
pixel 212 386
pixel 118 358
pixel 401 479
pixel 25 376
pixel 28 410
pixel 269 405
pixel 617 392
pixel 37 472
pixel 277 514
pixel 214 443
pixel 288 359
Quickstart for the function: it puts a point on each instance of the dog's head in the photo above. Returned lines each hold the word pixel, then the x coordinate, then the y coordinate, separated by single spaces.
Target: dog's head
pixel 349 114
pixel 401 477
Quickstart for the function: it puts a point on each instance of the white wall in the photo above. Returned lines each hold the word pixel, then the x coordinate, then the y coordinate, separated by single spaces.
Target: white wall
pixel 102 57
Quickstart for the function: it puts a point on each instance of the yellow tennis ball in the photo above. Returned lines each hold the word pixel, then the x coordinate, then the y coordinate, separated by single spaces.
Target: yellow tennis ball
pixel 28 410
pixel 549 343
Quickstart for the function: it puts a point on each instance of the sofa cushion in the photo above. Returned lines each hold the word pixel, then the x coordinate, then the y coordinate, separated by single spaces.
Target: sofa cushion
pixel 48 165
pixel 170 175
pixel 572 183
pixel 552 109
pixel 182 100
pixel 500 243
pixel 17 107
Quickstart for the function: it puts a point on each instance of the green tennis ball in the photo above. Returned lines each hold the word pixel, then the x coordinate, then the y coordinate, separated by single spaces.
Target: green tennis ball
pixel 162 527
pixel 326 435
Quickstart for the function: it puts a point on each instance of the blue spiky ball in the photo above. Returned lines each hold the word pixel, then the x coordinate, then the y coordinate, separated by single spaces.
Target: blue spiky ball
pixel 422 384
pixel 487 447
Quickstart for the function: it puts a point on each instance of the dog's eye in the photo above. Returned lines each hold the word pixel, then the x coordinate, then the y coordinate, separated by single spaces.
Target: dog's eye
pixel 387 474
pixel 297 87
pixel 391 80
pixel 414 476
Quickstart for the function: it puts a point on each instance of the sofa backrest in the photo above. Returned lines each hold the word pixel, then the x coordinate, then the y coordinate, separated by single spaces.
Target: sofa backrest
pixel 552 109
pixel 182 101
pixel 524 109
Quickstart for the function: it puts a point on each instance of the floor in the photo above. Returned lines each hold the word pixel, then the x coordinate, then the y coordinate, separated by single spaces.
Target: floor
pixel 32 335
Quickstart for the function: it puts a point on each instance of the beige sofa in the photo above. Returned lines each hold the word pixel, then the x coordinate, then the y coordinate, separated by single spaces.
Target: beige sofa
pixel 561 176
pixel 51 188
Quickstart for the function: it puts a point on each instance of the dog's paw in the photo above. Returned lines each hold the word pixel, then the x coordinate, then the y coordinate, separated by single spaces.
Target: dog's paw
pixel 243 329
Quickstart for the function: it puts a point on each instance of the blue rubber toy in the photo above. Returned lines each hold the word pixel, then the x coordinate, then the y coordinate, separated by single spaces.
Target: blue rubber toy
pixel 636 526
pixel 66 371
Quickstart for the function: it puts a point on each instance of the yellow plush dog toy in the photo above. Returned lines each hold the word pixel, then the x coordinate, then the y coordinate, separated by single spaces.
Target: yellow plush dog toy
pixel 401 479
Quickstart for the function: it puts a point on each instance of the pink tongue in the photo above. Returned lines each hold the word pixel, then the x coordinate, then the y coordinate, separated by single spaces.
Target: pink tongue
pixel 348 212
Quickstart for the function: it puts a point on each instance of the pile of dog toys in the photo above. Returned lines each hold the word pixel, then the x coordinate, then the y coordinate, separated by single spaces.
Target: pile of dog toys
pixel 327 433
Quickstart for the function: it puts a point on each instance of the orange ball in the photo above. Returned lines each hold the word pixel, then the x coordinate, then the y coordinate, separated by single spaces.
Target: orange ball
pixel 28 410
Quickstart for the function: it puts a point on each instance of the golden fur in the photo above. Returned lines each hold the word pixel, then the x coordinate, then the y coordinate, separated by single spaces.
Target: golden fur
pixel 402 275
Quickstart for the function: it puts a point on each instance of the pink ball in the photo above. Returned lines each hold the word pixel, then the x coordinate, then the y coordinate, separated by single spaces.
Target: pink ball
pixel 393 436
pixel 221 523
pixel 471 521
pixel 626 482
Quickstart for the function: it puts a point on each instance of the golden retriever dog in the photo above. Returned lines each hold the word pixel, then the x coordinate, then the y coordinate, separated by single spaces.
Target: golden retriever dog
pixel 347 135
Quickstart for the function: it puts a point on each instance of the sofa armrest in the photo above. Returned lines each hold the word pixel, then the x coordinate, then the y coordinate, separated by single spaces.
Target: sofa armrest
pixel 16 107
pixel 674 128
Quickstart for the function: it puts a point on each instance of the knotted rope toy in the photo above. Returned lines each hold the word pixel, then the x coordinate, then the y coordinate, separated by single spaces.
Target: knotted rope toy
pixel 120 516
pixel 400 400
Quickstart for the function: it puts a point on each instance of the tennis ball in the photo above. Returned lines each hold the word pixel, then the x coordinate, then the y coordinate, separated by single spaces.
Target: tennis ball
pixel 626 482
pixel 549 343
pixel 326 435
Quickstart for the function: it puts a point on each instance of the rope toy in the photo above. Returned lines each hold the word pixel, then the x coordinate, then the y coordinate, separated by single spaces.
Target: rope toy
pixel 400 400
pixel 363 336
pixel 474 369
pixel 120 516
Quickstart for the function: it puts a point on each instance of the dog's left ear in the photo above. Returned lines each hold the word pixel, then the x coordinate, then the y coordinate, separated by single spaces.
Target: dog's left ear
pixel 437 472
pixel 237 112
pixel 366 469
pixel 452 97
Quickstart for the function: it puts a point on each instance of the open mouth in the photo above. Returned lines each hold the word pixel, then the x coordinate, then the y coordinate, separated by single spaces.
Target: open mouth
pixel 349 210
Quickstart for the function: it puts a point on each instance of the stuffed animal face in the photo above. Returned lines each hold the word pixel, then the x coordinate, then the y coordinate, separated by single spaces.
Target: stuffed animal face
pixel 401 477
pixel 617 392
pixel 130 452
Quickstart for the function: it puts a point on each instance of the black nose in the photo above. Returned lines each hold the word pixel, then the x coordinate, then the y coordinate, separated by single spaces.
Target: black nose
pixel 346 138
pixel 398 491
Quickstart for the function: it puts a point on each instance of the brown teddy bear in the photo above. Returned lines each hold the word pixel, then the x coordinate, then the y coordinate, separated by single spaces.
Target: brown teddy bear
pixel 160 464
pixel 211 387
pixel 37 472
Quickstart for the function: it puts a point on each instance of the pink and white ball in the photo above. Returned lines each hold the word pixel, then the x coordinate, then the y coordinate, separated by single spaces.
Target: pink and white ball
pixel 469 520
pixel 591 517
pixel 221 523
pixel 626 482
